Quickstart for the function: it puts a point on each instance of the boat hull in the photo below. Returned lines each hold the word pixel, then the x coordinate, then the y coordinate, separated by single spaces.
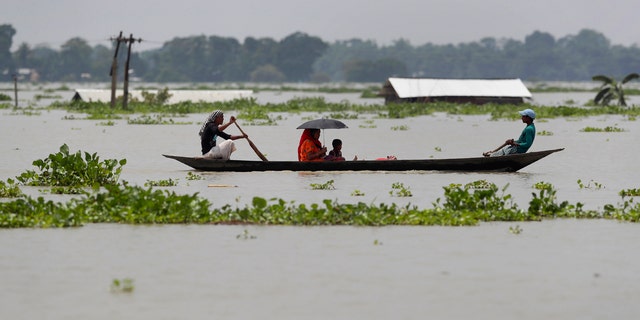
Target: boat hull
pixel 509 163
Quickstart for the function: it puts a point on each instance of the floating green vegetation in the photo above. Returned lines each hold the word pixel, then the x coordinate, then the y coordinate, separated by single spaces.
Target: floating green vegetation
pixel 192 176
pixel 357 193
pixel 515 230
pixel 437 149
pixel 368 124
pixel 605 129
pixel 9 189
pixel 544 133
pixel 134 205
pixel 323 186
pixel 157 119
pixel 399 190
pixel 630 193
pixel 161 183
pixel 590 185
pixel 106 123
pixel 400 128
pixel 245 235
pixel 258 116
pixel 98 110
pixel 73 170
pixel 4 97
pixel 343 115
pixel 24 112
pixel 125 285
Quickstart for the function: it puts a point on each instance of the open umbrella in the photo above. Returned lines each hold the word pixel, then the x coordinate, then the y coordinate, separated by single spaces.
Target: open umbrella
pixel 323 124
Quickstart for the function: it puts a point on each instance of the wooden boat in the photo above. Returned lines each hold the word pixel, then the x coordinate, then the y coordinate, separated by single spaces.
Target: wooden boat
pixel 509 163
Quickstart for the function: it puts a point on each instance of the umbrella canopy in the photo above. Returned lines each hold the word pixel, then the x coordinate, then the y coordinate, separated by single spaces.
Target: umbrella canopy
pixel 323 124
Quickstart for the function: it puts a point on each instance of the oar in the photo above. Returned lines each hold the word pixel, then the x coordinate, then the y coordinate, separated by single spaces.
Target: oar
pixel 253 146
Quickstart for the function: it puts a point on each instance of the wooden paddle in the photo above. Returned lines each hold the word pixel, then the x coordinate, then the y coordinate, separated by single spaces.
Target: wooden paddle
pixel 253 146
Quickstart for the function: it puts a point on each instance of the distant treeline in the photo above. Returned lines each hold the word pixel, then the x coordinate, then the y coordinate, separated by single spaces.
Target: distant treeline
pixel 300 57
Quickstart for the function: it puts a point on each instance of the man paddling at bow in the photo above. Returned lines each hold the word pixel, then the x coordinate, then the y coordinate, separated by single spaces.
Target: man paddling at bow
pixel 523 143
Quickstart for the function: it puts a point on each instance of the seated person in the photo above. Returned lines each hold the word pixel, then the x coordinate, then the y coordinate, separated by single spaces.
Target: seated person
pixel 310 148
pixel 523 143
pixel 212 128
pixel 336 153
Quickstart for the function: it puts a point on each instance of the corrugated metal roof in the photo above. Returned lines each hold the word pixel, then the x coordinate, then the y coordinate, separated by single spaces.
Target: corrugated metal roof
pixel 99 95
pixel 416 87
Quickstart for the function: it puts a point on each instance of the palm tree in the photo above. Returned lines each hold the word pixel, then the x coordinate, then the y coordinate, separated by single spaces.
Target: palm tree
pixel 610 89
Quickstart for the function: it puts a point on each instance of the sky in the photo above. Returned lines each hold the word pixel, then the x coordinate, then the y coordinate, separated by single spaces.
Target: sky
pixel 52 23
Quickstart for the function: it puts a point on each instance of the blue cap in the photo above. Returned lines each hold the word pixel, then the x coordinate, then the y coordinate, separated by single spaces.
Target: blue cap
pixel 528 112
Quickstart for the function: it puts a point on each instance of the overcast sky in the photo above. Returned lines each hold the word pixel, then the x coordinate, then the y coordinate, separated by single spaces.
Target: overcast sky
pixel 53 22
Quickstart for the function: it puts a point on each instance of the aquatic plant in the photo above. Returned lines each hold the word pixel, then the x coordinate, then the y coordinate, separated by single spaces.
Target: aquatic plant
pixel 544 133
pixel 9 189
pixel 605 129
pixel 161 183
pixel 357 193
pixel 77 170
pixel 157 119
pixel 106 123
pixel 122 285
pixel 400 128
pixel 245 235
pixel 193 176
pixel 323 186
pixel 399 190
pixel 629 193
pixel 515 230
pixel 596 185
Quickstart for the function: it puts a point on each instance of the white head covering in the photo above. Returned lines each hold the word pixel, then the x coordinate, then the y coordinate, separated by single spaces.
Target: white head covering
pixel 212 117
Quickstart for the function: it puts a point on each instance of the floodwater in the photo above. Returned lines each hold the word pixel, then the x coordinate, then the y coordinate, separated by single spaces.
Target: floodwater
pixel 553 269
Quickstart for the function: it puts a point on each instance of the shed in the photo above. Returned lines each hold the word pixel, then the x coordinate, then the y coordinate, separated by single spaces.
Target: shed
pixel 478 91
pixel 177 96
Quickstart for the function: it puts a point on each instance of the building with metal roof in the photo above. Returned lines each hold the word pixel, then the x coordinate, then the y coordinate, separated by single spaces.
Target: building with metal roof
pixel 477 91
pixel 177 96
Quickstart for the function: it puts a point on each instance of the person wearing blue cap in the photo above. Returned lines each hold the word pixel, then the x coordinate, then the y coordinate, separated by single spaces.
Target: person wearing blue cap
pixel 523 143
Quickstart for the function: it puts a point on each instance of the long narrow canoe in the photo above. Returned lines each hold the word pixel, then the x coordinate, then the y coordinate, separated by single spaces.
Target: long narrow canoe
pixel 509 163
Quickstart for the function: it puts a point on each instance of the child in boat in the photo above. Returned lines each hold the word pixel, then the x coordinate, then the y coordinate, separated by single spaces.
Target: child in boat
pixel 336 153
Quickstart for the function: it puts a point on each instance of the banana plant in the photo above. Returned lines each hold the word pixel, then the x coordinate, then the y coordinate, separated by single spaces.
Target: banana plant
pixel 611 89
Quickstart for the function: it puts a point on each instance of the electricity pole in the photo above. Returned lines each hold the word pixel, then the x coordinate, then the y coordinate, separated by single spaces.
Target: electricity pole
pixel 114 70
pixel 126 71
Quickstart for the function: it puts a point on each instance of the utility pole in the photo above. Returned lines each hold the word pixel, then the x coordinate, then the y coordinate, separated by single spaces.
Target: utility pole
pixel 15 88
pixel 126 72
pixel 114 70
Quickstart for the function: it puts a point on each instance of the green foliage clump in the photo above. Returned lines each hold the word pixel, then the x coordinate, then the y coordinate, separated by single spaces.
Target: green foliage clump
pixel 605 129
pixel 76 170
pixel 629 193
pixel 4 97
pixel 323 186
pixel 9 189
pixel 399 190
pixel 161 183
pixel 122 285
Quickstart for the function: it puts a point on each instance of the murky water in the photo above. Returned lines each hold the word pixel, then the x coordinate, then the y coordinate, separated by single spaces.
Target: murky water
pixel 553 269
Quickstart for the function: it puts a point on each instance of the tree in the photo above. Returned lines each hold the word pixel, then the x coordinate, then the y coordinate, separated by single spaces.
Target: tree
pixel 612 90
pixel 75 58
pixel 296 54
pixel 6 40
